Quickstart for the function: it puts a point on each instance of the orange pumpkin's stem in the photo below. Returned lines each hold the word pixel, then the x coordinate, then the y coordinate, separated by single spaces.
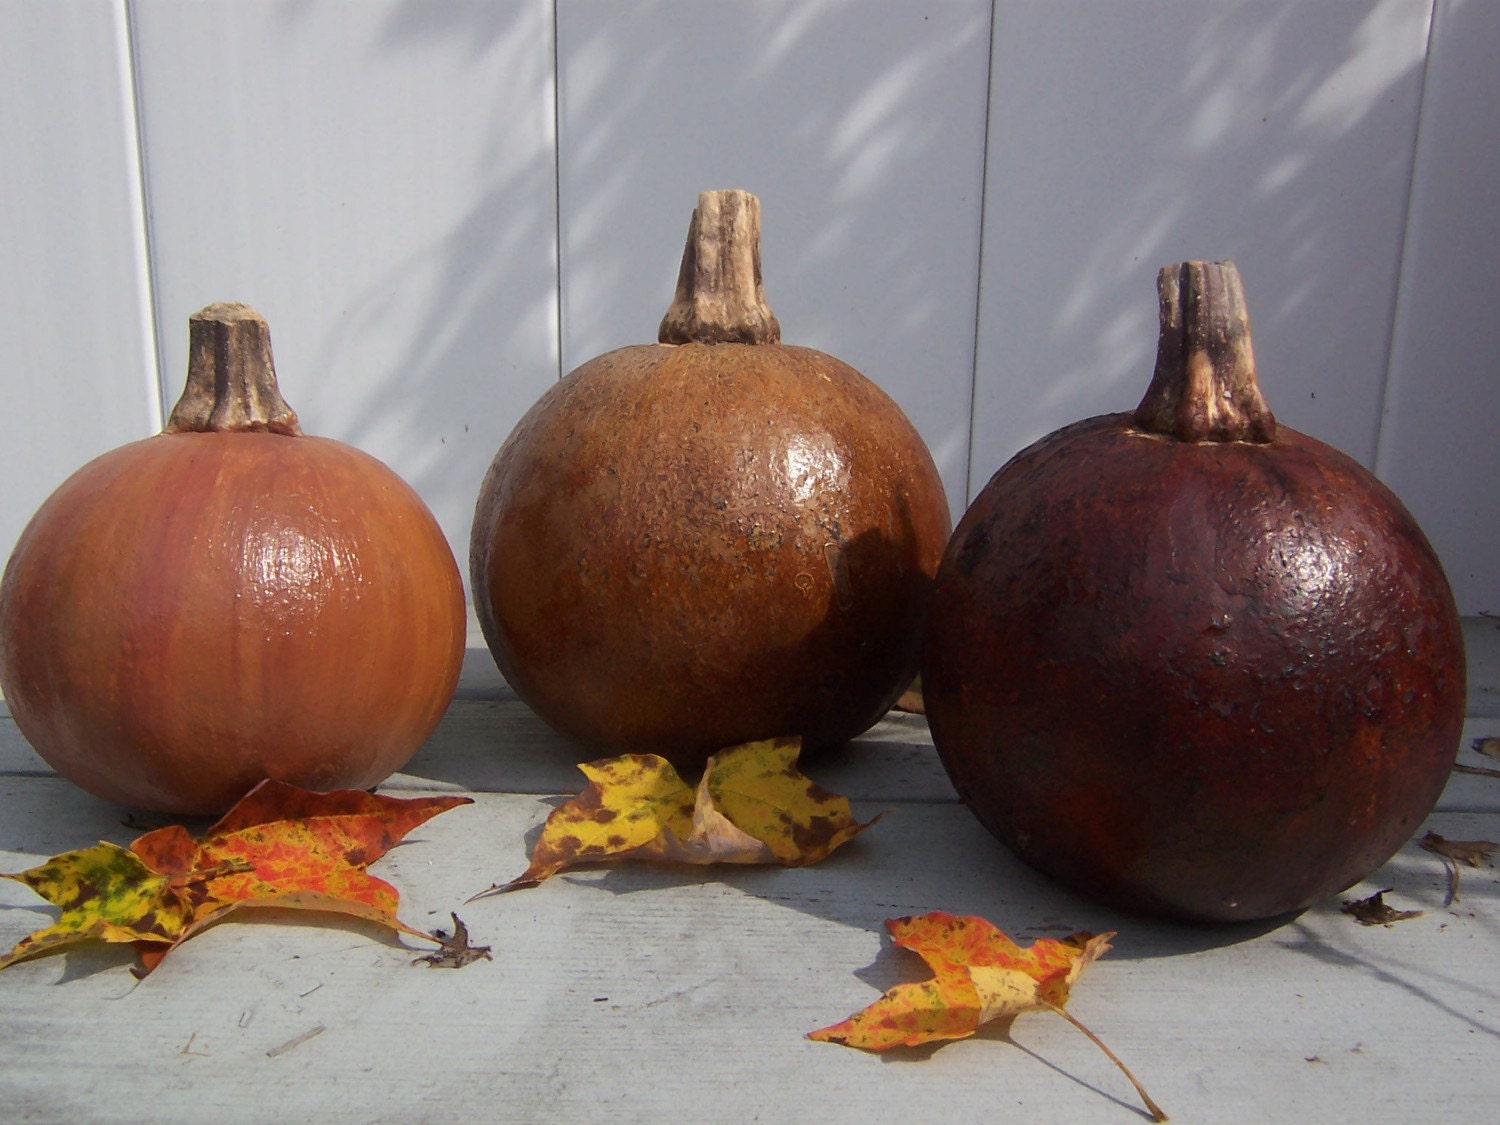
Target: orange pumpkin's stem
pixel 231 382
pixel 719 297
pixel 1204 388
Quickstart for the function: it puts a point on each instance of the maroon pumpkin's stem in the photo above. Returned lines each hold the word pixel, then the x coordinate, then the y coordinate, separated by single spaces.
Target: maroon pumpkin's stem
pixel 719 298
pixel 1204 388
pixel 231 382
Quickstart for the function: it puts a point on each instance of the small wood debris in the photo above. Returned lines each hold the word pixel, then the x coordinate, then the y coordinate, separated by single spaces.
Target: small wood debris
pixel 296 1041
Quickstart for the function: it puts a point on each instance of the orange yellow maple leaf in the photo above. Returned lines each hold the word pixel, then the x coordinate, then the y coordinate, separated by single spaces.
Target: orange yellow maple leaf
pixel 979 975
pixel 280 846
pixel 751 805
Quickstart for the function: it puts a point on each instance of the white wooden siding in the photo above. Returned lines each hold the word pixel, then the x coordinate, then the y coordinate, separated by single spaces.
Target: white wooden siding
pixel 77 374
pixel 442 206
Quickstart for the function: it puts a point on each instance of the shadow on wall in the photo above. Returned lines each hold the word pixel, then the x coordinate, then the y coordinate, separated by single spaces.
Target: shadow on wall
pixel 1128 137
pixel 1120 139
pixel 861 128
pixel 859 124
pixel 436 323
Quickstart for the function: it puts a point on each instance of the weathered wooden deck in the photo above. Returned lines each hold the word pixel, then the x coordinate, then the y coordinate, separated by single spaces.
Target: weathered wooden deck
pixel 650 994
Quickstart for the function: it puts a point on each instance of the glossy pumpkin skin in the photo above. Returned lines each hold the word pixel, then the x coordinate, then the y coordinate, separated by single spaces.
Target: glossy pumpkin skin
pixel 1213 681
pixel 194 612
pixel 686 547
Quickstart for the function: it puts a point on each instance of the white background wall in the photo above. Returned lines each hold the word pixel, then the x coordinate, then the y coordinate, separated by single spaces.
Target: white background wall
pixel 442 205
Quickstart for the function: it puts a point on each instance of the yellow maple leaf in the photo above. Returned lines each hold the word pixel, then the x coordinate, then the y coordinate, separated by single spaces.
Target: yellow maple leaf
pixel 750 806
pixel 979 975
pixel 631 804
pixel 758 789
pixel 106 893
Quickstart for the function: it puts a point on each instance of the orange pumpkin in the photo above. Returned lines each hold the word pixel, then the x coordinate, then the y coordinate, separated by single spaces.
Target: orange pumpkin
pixel 228 601
pixel 712 539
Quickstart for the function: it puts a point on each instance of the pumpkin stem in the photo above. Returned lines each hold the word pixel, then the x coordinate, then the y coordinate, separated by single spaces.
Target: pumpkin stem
pixel 1204 388
pixel 719 296
pixel 231 381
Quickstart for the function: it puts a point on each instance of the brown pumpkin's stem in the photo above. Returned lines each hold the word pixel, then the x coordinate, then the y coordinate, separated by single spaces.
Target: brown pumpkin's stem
pixel 231 381
pixel 1204 388
pixel 719 296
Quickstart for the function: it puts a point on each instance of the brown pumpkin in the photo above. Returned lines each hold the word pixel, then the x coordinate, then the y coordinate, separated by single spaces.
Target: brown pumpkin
pixel 1191 661
pixel 228 601
pixel 712 539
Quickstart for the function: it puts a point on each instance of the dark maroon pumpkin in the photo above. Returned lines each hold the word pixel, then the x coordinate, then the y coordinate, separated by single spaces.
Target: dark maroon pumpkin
pixel 228 601
pixel 1188 660
pixel 713 539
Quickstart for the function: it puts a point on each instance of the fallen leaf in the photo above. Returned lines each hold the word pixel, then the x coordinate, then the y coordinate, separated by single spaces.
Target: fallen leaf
pixel 281 846
pixel 750 806
pixel 1490 748
pixel 1373 911
pixel 911 699
pixel 1470 853
pixel 757 788
pixel 979 976
pixel 105 893
pixel 455 952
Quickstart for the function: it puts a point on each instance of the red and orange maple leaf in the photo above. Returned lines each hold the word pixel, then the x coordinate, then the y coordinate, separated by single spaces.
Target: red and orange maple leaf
pixel 280 846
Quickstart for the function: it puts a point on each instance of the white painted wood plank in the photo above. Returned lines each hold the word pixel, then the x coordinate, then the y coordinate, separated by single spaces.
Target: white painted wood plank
pixel 861 128
pixel 1482 643
pixel 1127 136
pixel 639 991
pixel 643 992
pixel 77 373
pixel 1442 412
pixel 377 179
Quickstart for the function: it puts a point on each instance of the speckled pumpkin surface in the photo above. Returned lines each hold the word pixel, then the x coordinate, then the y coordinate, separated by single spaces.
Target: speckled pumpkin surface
pixel 1212 678
pixel 689 545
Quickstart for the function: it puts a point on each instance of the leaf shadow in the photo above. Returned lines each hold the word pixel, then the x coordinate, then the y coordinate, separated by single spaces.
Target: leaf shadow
pixel 90 959
pixel 892 966
pixel 880 875
pixel 296 919
pixel 1005 1034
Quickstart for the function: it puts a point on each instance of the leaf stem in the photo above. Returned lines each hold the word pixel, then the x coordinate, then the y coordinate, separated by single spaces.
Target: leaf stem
pixel 1154 1109
pixel 1480 770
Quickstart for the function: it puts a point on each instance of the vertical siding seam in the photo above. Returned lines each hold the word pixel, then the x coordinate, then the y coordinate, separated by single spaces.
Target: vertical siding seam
pixel 984 173
pixel 557 221
pixel 1381 458
pixel 145 259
